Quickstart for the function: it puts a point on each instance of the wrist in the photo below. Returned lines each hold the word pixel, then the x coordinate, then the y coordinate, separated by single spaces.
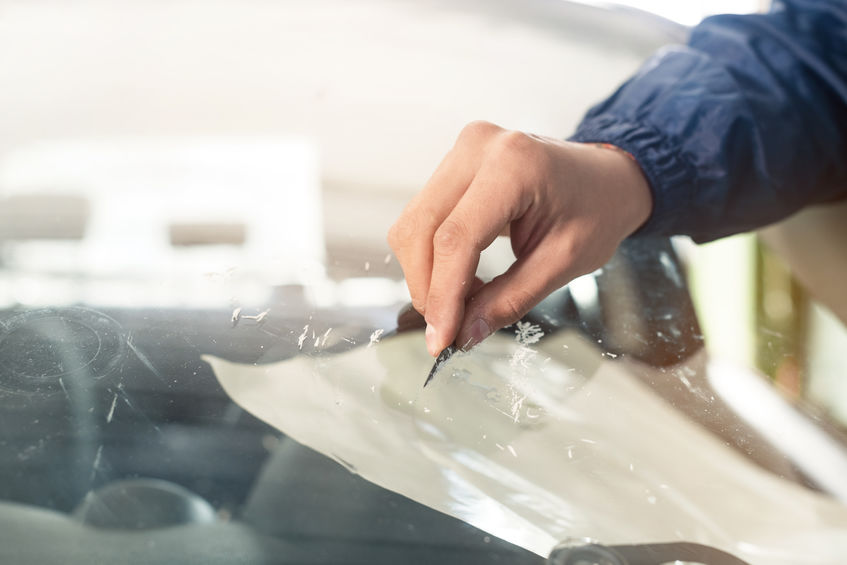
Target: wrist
pixel 630 190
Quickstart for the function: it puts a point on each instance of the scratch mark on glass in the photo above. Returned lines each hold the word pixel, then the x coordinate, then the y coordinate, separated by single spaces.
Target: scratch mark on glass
pixel 258 318
pixel 145 361
pixel 111 413
pixel 95 467
pixel 302 337
pixel 324 337
pixel 62 384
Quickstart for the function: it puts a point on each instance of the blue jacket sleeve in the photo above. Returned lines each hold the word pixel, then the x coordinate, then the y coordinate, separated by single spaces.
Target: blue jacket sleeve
pixel 741 127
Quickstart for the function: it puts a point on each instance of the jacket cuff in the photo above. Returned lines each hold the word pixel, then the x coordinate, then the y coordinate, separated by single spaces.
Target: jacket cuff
pixel 670 178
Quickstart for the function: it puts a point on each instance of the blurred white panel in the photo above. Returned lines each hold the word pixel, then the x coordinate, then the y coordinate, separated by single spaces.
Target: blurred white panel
pixel 139 189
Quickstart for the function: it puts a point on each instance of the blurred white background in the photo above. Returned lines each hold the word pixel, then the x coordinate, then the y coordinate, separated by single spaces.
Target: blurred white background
pixel 373 92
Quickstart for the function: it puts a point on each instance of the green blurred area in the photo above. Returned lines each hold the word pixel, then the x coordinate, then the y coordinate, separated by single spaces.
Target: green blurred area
pixel 754 312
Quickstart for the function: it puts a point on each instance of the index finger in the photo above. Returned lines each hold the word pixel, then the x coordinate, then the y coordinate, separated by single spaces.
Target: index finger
pixel 411 236
pixel 490 203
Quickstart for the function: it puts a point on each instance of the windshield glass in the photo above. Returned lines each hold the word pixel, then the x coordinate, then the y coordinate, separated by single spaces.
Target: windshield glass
pixel 206 350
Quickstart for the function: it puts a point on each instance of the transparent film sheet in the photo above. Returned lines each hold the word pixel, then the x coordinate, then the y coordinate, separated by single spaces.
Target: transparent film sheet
pixel 538 441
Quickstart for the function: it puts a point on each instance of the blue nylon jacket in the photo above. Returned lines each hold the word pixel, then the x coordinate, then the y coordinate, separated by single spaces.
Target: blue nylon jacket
pixel 741 127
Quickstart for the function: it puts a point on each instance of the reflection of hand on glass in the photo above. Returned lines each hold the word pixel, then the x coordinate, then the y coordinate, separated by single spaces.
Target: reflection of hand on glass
pixel 566 207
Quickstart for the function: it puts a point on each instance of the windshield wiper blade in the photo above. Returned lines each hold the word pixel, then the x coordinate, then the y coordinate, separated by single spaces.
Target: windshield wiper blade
pixel 641 554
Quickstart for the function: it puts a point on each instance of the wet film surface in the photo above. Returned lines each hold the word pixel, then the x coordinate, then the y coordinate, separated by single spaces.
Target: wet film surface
pixel 598 417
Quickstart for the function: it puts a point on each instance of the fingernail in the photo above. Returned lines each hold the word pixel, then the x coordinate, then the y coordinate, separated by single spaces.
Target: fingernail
pixel 479 331
pixel 431 343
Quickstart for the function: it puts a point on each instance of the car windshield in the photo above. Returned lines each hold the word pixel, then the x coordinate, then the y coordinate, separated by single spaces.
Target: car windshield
pixel 206 348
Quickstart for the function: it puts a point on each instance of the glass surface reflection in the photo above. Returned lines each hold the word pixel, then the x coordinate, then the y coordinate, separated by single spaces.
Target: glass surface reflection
pixel 193 205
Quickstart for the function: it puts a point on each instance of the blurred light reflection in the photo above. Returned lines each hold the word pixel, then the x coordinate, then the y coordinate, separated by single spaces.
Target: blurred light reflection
pixel 756 401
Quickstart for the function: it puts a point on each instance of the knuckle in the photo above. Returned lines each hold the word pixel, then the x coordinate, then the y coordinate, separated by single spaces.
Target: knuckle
pixel 402 232
pixel 477 131
pixel 450 237
pixel 528 148
pixel 515 142
pixel 583 253
pixel 520 159
pixel 520 153
pixel 513 305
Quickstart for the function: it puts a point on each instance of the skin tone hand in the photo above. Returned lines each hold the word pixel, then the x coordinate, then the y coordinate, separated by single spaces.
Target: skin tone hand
pixel 566 207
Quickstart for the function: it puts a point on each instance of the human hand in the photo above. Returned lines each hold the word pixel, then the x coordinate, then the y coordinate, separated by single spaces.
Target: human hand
pixel 566 207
